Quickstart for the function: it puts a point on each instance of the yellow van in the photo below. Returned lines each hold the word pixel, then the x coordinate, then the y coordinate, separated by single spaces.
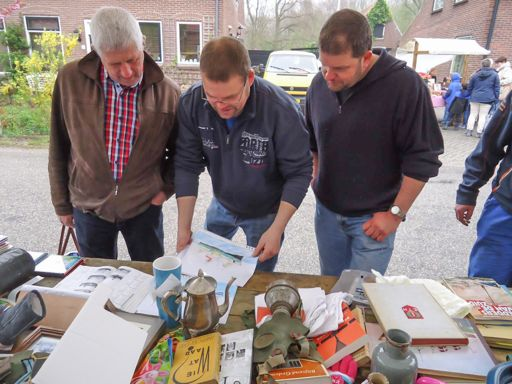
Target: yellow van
pixel 292 71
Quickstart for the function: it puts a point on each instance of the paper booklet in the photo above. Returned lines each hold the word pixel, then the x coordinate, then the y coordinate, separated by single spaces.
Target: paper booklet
pixel 413 309
pixel 236 357
pixel 490 303
pixel 129 286
pixel 218 257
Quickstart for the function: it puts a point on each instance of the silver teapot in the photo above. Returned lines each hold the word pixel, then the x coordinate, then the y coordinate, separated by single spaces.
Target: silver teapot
pixel 202 313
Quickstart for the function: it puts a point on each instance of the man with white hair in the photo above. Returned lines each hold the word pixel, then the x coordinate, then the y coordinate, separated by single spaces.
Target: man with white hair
pixel 112 140
pixel 505 76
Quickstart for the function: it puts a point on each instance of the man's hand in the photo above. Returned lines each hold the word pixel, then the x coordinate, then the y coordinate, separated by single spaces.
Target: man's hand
pixel 184 239
pixel 381 225
pixel 269 244
pixel 463 213
pixel 159 198
pixel 67 220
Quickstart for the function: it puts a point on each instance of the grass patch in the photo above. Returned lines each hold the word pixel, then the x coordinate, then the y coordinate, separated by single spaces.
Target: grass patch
pixel 24 120
pixel 39 141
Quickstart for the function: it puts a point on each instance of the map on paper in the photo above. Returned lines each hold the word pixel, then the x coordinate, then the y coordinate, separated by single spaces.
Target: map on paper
pixel 219 258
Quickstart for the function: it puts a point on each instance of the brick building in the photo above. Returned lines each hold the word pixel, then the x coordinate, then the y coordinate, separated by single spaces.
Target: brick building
pixel 175 30
pixel 486 21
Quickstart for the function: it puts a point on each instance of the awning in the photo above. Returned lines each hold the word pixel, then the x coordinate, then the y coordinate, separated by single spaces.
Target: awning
pixel 424 63
pixel 432 46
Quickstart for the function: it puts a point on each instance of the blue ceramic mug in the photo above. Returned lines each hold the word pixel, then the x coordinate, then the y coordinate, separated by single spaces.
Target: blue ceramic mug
pixel 163 267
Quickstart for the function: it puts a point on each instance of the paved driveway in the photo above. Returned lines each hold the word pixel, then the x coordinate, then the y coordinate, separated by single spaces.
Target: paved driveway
pixel 431 243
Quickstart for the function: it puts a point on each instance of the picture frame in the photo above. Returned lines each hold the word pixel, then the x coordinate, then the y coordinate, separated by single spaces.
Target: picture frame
pixel 41 339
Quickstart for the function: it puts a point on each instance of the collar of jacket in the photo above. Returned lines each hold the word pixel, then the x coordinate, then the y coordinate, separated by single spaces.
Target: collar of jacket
pixel 90 66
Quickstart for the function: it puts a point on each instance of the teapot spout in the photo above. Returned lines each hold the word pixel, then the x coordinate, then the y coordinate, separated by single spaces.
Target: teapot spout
pixel 224 307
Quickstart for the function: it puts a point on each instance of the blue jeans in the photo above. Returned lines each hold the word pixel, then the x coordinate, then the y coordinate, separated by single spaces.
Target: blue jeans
pixel 342 243
pixel 491 255
pixel 143 234
pixel 222 222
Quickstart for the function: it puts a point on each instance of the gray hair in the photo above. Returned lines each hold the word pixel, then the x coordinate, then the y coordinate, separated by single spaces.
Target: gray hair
pixel 114 28
pixel 487 62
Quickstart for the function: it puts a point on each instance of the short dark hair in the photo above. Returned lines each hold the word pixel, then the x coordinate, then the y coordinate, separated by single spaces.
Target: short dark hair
pixel 486 62
pixel 224 57
pixel 501 59
pixel 346 30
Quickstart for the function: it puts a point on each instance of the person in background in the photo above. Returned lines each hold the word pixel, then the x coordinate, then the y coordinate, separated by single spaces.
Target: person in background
pixel 111 108
pixel 505 76
pixel 454 90
pixel 491 253
pixel 371 159
pixel 252 137
pixel 484 91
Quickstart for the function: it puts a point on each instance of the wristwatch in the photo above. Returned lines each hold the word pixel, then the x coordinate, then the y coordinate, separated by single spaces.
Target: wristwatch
pixel 397 211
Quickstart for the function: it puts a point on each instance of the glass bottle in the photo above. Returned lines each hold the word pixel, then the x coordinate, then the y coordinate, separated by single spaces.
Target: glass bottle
pixel 393 358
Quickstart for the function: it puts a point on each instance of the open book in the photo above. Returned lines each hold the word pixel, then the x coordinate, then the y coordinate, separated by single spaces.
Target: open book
pixel 129 286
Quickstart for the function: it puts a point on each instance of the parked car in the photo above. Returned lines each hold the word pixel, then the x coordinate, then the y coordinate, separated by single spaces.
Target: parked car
pixel 293 71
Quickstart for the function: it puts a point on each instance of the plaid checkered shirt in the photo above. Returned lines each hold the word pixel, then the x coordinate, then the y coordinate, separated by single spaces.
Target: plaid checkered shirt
pixel 122 121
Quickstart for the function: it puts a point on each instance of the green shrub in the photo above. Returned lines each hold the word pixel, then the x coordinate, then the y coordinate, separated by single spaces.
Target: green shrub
pixel 25 120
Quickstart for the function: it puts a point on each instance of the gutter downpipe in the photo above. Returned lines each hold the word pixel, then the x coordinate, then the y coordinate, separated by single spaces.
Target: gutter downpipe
pixel 492 24
pixel 217 15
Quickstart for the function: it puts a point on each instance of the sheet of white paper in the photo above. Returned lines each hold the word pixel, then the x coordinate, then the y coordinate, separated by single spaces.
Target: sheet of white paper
pixel 106 346
pixel 148 306
pixel 219 258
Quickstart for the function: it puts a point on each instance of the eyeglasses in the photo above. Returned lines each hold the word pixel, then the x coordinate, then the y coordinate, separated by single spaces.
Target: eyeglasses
pixel 231 100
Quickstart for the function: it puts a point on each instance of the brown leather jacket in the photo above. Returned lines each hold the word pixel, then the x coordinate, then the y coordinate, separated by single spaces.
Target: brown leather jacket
pixel 78 165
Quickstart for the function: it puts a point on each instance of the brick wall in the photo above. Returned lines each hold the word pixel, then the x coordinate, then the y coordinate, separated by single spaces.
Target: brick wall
pixel 469 18
pixel 73 13
pixel 391 39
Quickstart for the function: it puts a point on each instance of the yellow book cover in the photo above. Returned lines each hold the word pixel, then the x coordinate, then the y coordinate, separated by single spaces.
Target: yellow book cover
pixel 197 360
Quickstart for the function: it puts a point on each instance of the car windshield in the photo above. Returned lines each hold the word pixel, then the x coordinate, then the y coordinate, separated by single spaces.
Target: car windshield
pixel 292 63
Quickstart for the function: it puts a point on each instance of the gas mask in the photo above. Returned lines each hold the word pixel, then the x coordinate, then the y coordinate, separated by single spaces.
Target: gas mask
pixel 284 334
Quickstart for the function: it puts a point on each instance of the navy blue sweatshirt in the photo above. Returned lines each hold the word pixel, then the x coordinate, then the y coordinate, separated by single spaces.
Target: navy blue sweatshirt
pixel 385 128
pixel 264 158
pixel 494 146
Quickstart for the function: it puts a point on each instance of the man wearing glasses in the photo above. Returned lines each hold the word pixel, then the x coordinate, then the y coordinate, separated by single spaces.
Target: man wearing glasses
pixel 252 138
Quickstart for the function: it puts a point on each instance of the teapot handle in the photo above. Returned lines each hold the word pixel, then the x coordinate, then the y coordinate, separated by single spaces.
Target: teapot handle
pixel 165 307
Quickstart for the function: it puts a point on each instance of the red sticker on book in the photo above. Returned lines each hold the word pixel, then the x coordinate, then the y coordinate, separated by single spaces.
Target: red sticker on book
pixel 412 312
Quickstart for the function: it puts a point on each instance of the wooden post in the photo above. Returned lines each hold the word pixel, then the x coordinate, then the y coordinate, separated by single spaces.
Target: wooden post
pixel 415 55
pixel 464 69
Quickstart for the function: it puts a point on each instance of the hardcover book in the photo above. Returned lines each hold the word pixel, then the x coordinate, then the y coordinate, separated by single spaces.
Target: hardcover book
pixel 411 307
pixel 346 339
pixel 490 303
pixel 56 265
pixel 197 360
pixel 301 371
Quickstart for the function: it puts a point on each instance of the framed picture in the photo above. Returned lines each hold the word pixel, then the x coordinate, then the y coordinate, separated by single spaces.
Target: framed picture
pixel 41 339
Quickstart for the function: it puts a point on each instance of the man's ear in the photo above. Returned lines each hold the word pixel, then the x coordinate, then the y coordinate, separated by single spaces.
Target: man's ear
pixel 250 77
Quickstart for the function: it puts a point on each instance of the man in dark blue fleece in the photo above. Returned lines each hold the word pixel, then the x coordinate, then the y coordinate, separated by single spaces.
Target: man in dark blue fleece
pixel 491 255
pixel 252 138
pixel 375 142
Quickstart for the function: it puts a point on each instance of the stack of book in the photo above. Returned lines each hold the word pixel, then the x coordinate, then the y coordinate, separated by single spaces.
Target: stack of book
pixel 4 244
pixel 445 348
pixel 491 308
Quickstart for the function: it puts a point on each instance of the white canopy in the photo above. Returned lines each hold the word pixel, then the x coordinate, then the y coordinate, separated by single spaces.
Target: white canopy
pixel 431 46
pixel 423 54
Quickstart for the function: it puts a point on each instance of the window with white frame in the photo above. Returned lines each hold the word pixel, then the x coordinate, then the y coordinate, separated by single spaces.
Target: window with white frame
pixel 36 25
pixel 437 5
pixel 378 31
pixel 458 61
pixel 152 31
pixel 189 42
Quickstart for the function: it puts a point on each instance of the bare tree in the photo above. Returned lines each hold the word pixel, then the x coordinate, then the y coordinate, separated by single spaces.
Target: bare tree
pixel 284 20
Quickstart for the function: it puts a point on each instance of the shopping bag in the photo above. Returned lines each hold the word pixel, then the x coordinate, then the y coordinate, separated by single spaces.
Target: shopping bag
pixel 65 234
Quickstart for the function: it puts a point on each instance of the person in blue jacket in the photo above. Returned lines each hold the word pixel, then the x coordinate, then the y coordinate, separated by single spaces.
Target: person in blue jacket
pixel 491 255
pixel 252 137
pixel 454 90
pixel 484 91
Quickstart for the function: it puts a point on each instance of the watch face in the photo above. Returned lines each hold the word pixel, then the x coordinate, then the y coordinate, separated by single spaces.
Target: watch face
pixel 395 210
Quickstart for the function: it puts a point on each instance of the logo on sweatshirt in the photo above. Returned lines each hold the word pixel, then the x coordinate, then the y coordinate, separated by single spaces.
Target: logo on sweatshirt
pixel 208 137
pixel 254 149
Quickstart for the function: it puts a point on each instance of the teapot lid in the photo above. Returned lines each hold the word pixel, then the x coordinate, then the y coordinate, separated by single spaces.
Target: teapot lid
pixel 201 284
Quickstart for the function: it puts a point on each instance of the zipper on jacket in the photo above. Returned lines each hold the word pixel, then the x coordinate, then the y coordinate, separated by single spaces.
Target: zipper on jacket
pixel 227 139
pixel 116 189
pixel 339 109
